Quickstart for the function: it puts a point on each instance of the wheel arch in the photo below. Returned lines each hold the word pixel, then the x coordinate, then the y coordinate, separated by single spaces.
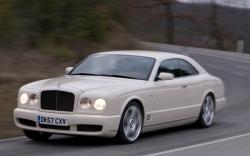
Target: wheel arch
pixel 136 99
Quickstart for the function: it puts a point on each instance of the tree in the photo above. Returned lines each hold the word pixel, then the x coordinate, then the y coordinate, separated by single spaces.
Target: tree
pixel 168 14
pixel 170 19
pixel 161 10
pixel 67 21
pixel 216 31
pixel 6 21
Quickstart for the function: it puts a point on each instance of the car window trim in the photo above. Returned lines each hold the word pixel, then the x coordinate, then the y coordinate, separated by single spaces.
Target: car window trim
pixel 180 59
pixel 155 79
pixel 198 73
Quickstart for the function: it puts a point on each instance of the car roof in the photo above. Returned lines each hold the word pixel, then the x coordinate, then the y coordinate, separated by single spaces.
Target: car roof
pixel 159 56
pixel 154 54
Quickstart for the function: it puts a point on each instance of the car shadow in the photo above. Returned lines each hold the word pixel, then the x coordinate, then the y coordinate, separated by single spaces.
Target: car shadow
pixel 87 141
pixel 168 131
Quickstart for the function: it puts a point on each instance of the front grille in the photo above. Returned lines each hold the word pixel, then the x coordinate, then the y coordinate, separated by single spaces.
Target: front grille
pixel 57 100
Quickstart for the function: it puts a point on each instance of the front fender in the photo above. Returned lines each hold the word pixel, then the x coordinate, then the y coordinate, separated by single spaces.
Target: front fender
pixel 128 99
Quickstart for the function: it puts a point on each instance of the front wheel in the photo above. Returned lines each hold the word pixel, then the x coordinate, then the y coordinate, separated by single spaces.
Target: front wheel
pixel 207 112
pixel 36 136
pixel 131 123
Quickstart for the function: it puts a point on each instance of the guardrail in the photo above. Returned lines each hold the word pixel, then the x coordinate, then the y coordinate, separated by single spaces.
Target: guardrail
pixel 234 56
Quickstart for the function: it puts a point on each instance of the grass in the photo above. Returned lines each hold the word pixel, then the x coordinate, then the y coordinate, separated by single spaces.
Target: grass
pixel 61 52
pixel 17 69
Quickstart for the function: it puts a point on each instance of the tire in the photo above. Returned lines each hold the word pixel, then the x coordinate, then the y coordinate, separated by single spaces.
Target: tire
pixel 131 124
pixel 36 136
pixel 207 112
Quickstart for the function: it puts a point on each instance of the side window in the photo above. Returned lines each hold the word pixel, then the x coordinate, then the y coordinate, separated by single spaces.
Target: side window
pixel 170 66
pixel 186 68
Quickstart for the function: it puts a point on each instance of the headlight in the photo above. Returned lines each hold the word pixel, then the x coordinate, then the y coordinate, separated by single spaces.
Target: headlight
pixel 85 103
pixel 33 99
pixel 24 98
pixel 100 104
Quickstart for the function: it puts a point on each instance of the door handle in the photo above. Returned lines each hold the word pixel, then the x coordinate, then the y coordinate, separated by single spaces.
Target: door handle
pixel 184 86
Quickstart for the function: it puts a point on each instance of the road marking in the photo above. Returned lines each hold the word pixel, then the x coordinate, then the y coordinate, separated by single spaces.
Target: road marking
pixel 199 145
pixel 11 139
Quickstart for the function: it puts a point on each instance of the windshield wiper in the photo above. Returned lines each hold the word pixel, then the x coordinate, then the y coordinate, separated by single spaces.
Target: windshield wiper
pixel 119 76
pixel 86 74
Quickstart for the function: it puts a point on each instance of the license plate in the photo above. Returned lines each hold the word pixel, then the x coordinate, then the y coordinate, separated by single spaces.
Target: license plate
pixel 46 120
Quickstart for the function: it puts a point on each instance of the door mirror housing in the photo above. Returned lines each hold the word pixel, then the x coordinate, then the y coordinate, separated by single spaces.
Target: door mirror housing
pixel 67 70
pixel 165 76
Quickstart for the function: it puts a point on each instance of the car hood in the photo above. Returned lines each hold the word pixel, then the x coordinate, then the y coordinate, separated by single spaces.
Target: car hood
pixel 84 83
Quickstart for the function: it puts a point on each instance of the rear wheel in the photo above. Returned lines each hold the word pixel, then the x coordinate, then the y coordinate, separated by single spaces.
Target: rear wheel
pixel 131 123
pixel 207 112
pixel 37 136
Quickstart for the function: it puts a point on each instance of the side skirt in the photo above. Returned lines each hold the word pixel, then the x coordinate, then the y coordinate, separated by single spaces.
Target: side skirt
pixel 149 128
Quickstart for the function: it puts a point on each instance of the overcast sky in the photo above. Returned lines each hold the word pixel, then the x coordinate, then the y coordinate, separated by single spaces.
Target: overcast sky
pixel 233 3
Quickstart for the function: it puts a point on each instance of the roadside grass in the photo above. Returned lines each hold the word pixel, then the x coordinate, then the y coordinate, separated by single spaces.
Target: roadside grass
pixel 17 69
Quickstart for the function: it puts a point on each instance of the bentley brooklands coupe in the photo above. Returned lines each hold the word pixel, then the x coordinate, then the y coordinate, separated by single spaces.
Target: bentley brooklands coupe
pixel 120 94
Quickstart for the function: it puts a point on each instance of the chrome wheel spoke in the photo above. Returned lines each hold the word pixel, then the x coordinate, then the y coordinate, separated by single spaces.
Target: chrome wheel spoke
pixel 129 132
pixel 211 107
pixel 133 112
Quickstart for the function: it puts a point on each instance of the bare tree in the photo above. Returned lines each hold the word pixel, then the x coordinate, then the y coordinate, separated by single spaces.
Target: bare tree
pixel 170 20
pixel 168 14
pixel 159 9
pixel 216 31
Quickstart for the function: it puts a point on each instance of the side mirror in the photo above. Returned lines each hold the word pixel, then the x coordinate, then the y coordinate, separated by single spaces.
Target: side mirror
pixel 166 76
pixel 67 70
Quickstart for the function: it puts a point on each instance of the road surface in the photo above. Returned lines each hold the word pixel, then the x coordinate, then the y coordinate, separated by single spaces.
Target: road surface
pixel 233 121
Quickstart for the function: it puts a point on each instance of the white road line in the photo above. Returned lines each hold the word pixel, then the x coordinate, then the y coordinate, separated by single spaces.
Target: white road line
pixel 11 139
pixel 199 145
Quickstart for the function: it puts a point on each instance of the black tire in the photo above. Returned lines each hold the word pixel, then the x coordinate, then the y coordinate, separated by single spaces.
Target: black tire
pixel 202 121
pixel 36 136
pixel 121 134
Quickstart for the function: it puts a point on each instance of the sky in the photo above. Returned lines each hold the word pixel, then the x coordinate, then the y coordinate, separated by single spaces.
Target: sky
pixel 232 3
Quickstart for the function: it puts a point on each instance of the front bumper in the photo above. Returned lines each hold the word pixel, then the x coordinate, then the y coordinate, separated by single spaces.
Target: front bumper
pixel 109 123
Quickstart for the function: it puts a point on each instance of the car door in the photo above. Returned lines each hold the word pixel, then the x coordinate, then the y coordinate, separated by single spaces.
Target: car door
pixel 171 95
pixel 195 87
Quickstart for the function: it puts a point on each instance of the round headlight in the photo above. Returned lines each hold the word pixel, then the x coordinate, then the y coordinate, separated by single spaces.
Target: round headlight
pixel 100 104
pixel 24 98
pixel 85 103
pixel 33 99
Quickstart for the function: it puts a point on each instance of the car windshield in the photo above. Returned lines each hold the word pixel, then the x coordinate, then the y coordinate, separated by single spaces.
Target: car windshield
pixel 115 65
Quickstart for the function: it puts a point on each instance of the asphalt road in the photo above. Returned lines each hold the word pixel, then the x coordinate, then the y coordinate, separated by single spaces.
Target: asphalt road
pixel 233 121
pixel 232 146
